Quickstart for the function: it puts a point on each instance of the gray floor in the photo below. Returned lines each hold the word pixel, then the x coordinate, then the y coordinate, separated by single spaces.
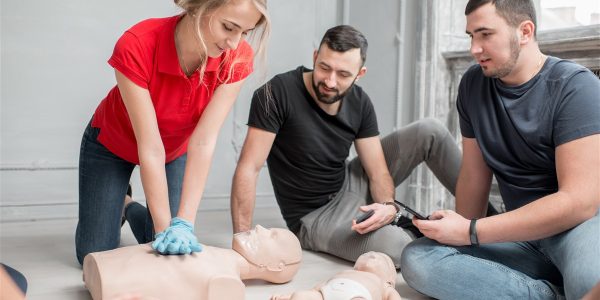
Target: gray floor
pixel 44 252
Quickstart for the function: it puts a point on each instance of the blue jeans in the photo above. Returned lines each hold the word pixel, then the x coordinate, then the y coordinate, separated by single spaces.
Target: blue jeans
pixel 103 181
pixel 17 277
pixel 566 264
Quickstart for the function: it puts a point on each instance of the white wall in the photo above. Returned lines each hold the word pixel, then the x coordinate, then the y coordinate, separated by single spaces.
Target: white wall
pixel 54 74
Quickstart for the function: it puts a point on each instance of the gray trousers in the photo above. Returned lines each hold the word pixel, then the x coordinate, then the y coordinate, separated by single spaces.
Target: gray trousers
pixel 328 228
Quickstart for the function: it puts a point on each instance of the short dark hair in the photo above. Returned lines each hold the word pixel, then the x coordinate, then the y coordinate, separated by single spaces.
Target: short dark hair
pixel 513 11
pixel 342 38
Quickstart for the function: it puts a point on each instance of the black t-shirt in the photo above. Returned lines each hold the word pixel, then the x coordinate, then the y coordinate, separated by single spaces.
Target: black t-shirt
pixel 518 128
pixel 308 158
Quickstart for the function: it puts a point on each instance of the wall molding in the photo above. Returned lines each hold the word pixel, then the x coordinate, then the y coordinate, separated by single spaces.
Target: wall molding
pixel 69 210
pixel 37 165
pixel 576 43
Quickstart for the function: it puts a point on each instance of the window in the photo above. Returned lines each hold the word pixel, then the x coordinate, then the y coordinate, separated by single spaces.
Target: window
pixel 557 14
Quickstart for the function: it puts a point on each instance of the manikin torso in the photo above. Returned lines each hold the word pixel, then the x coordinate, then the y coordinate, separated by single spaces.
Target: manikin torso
pixel 352 284
pixel 210 274
pixel 273 255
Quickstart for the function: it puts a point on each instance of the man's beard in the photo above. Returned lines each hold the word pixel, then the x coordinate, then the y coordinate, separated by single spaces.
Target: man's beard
pixel 332 99
pixel 504 69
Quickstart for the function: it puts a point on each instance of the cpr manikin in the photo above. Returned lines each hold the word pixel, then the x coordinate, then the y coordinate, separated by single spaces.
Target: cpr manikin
pixel 273 255
pixel 373 278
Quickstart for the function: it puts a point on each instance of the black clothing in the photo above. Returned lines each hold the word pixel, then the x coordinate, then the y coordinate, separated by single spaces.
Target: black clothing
pixel 308 158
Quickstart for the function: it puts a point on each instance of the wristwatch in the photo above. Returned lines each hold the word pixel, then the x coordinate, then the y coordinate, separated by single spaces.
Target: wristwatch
pixel 396 218
pixel 473 233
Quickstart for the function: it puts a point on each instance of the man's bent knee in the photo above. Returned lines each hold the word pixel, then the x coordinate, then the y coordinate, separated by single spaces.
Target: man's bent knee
pixel 431 127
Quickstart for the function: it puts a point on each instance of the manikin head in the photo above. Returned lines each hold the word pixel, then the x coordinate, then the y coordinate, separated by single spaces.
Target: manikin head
pixel 499 31
pixel 274 254
pixel 338 63
pixel 378 264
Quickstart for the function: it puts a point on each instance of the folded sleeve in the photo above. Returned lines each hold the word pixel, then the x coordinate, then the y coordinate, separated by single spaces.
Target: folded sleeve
pixel 129 58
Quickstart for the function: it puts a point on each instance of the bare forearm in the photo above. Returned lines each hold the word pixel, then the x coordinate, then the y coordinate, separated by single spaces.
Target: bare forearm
pixel 472 193
pixel 542 218
pixel 243 196
pixel 382 188
pixel 197 167
pixel 154 181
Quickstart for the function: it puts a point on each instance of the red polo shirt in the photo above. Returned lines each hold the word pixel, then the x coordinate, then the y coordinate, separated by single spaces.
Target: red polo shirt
pixel 146 55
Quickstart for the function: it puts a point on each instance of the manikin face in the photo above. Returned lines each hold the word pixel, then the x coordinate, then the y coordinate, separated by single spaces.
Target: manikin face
pixel 224 28
pixel 378 264
pixel 335 72
pixel 272 248
pixel 494 44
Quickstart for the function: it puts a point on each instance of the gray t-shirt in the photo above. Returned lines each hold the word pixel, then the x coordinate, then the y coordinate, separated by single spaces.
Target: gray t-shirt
pixel 519 127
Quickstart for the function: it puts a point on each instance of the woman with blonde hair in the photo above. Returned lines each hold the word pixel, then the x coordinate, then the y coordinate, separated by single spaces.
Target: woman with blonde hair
pixel 177 79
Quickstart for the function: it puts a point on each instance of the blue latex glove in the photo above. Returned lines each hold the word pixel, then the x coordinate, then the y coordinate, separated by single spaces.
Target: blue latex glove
pixel 179 238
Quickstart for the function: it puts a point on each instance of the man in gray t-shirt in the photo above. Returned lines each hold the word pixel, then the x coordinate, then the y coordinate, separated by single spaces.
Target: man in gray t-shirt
pixel 518 128
pixel 533 122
